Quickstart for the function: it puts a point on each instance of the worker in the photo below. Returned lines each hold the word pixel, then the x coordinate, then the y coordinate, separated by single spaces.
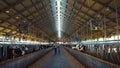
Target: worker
pixel 55 48
pixel 58 49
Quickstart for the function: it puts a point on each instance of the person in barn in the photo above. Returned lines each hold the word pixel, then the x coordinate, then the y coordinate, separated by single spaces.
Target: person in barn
pixel 55 48
pixel 58 48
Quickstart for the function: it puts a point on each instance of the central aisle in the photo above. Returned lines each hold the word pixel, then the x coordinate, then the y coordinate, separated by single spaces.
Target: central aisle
pixel 62 60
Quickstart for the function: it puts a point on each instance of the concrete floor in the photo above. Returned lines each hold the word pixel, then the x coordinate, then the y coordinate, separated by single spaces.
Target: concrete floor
pixel 62 60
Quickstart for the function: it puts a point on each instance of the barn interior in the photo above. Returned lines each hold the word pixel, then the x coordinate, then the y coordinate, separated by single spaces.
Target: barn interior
pixel 87 31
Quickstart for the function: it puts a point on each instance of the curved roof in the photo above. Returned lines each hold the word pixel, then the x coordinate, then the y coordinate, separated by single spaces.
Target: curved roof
pixel 82 19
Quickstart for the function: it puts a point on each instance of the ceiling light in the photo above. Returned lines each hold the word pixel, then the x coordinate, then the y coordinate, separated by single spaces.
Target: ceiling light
pixel 107 9
pixel 98 15
pixel 7 11
pixel 24 21
pixel 0 21
pixel 17 17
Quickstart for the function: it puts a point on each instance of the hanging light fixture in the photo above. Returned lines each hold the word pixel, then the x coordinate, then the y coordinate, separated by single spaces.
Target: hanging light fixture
pixel 17 17
pixel 7 11
pixel 1 21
